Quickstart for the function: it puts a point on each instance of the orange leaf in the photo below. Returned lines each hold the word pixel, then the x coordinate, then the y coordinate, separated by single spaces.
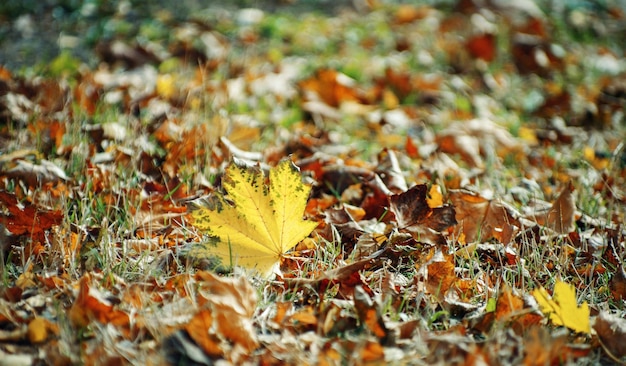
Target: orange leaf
pixel 369 314
pixel 441 275
pixel 198 329
pixel 92 305
pixel 26 218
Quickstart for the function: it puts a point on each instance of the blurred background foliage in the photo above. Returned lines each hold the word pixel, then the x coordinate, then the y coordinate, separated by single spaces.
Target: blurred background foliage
pixel 36 32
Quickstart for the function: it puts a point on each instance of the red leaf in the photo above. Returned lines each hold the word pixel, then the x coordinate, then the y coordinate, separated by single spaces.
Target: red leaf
pixel 482 46
pixel 30 219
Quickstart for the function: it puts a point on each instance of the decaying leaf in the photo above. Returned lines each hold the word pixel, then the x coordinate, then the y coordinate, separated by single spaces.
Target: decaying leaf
pixel 430 92
pixel 255 224
pixel 510 308
pixel 331 87
pixel 347 277
pixel 562 308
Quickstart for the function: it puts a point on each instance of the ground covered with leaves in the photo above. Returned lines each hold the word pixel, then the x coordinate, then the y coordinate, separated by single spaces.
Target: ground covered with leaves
pixel 402 184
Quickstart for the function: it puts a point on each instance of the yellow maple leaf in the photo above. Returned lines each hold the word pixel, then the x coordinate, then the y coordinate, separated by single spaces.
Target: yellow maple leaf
pixel 562 308
pixel 255 225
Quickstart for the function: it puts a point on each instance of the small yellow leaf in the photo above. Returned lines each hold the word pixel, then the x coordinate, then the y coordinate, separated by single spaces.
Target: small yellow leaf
pixel 37 330
pixel 562 308
pixel 165 85
pixel 256 224
pixel 435 198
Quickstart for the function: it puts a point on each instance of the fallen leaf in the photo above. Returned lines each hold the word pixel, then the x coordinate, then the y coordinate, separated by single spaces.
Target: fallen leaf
pixel 34 175
pixel 38 330
pixel 91 304
pixel 26 218
pixel 546 347
pixel 330 87
pixel 224 319
pixel 233 302
pixel 441 275
pixel 408 13
pixel 255 225
pixel 304 319
pixel 413 214
pixel 390 171
pixel 612 331
pixel 477 139
pixel 562 308
pixel 347 277
pixel 435 198
pixel 371 353
pixel 561 215
pixel 180 349
pixel 481 219
pixel 369 314
pixel 482 46
pixel 617 284
pixel 199 328
pixel 510 309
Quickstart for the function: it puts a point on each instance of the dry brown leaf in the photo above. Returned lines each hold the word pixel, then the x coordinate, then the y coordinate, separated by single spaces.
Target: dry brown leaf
pixel 227 307
pixel 481 219
pixel 371 353
pixel 561 215
pixel 508 304
pixel 482 46
pixel 414 215
pixel 546 348
pixel 347 277
pixel 617 284
pixel 304 316
pixel 611 330
pixel 409 13
pixel 27 278
pixel 282 308
pixel 390 172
